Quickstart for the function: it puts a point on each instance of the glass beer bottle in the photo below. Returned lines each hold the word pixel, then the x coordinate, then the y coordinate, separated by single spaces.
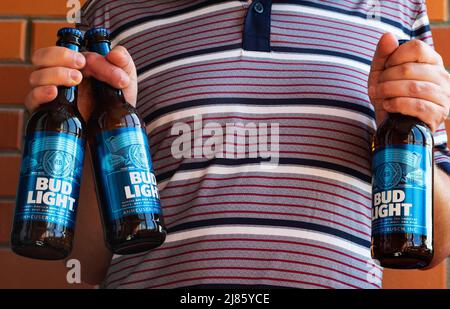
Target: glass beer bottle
pixel 124 176
pixel 402 184
pixel 50 176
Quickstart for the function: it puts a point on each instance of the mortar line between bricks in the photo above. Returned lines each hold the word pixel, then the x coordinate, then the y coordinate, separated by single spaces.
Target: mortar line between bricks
pixel 5 63
pixel 8 107
pixel 14 62
pixel 9 152
pixel 16 107
pixel 28 40
pixel 38 18
pixel 440 23
pixel 5 200
pixel 448 273
pixel 448 15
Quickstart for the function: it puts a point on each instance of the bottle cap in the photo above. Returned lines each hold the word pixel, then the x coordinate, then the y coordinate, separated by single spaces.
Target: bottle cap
pixel 70 38
pixel 97 33
pixel 72 31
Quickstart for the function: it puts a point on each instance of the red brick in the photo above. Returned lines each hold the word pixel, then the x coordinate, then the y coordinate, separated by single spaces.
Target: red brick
pixel 15 86
pixel 434 278
pixel 23 273
pixel 6 217
pixel 44 33
pixel 437 10
pixel 12 128
pixel 13 34
pixel 10 167
pixel 441 36
pixel 34 8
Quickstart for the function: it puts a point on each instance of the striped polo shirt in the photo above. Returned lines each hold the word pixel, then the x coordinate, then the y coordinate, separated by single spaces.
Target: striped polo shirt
pixel 260 128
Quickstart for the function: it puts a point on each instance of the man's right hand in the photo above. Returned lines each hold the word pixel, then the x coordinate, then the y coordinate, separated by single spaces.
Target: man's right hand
pixel 59 66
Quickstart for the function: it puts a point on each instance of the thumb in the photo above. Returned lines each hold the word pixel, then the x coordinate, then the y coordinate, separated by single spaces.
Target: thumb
pixel 386 46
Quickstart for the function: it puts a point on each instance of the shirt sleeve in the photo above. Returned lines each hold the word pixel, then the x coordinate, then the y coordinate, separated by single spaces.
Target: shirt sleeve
pixel 421 31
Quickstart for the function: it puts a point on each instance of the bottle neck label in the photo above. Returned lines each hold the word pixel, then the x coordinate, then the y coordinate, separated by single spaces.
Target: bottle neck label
pixel 127 184
pixel 50 178
pixel 402 190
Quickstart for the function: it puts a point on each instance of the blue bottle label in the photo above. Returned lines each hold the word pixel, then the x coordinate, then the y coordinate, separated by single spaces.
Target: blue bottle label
pixel 50 178
pixel 128 180
pixel 402 190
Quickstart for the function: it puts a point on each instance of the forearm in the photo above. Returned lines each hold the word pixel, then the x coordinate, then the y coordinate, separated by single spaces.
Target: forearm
pixel 441 216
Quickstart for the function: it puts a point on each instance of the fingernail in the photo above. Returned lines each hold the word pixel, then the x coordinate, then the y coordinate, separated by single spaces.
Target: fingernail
pixel 49 91
pixel 124 80
pixel 371 91
pixel 74 75
pixel 79 60
pixel 387 104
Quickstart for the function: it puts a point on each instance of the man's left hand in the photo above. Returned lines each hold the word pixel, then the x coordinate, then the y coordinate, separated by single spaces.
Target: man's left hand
pixel 409 79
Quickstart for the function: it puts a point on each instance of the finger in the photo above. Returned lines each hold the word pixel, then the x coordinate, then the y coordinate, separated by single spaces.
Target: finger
pixel 120 57
pixel 414 51
pixel 39 96
pixel 58 76
pixel 101 69
pixel 57 56
pixel 386 46
pixel 432 114
pixel 413 89
pixel 416 71
pixel 380 113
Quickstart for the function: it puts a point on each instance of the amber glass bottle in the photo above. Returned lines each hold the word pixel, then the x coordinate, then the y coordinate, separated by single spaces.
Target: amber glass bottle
pixel 124 176
pixel 47 197
pixel 402 183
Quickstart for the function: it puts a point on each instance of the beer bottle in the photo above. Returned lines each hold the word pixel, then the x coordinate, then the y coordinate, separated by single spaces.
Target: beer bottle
pixel 47 196
pixel 124 176
pixel 402 188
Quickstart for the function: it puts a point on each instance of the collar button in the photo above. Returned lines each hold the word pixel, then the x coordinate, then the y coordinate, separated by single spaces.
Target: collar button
pixel 258 7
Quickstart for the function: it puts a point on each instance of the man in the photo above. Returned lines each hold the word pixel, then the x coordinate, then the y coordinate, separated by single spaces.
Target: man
pixel 301 65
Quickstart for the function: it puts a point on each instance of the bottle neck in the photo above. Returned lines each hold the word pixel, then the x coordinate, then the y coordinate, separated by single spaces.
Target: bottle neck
pixel 106 95
pixel 404 122
pixel 68 94
pixel 401 117
pixel 103 92
pixel 395 116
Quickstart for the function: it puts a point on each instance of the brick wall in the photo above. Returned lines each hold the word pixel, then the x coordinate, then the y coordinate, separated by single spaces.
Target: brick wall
pixel 26 25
